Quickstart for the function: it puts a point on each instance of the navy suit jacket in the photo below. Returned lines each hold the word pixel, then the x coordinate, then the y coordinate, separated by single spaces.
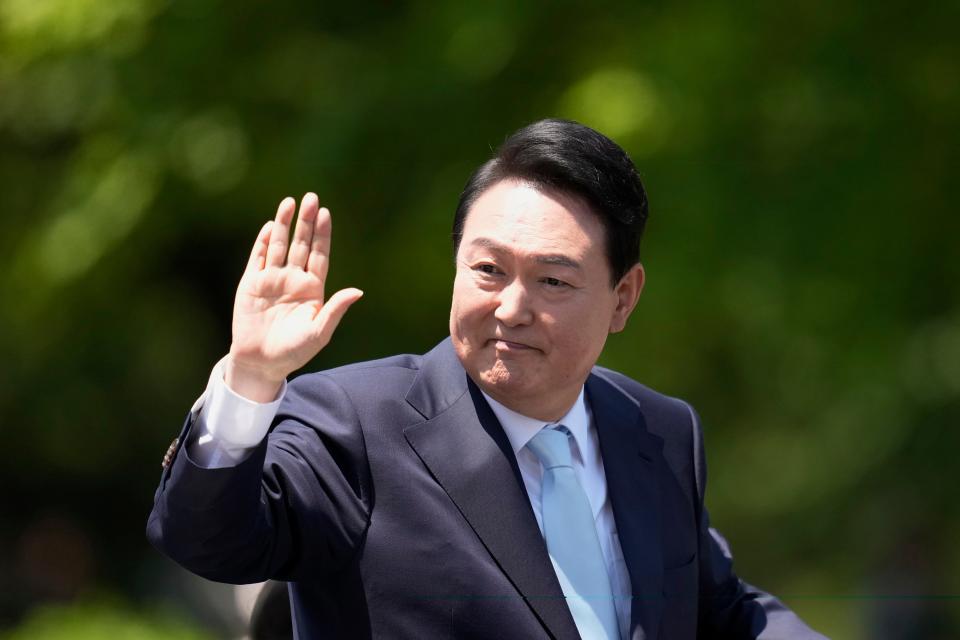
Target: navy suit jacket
pixel 388 495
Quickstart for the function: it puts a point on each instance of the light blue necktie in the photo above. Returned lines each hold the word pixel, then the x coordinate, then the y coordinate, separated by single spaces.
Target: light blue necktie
pixel 571 536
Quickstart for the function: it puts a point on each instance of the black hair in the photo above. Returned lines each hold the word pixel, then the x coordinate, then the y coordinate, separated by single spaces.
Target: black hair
pixel 575 160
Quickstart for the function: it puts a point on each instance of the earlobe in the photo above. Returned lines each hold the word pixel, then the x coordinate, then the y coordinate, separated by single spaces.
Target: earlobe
pixel 628 292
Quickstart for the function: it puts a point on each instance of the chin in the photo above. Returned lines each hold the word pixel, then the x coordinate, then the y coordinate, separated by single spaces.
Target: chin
pixel 503 381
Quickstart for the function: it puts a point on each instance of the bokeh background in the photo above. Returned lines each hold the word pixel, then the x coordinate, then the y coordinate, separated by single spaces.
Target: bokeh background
pixel 804 280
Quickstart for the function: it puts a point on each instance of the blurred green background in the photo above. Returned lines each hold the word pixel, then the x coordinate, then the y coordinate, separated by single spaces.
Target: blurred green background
pixel 803 274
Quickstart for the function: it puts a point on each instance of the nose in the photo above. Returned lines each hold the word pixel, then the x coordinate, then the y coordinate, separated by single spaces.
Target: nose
pixel 513 305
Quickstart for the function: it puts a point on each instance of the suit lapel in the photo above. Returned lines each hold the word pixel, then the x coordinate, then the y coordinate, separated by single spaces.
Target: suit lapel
pixel 467 452
pixel 630 460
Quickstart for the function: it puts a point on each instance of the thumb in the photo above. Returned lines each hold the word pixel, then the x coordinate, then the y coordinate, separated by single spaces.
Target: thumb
pixel 332 312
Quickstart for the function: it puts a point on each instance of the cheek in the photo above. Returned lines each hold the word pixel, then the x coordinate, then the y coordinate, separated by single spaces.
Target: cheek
pixel 580 336
pixel 466 309
pixel 458 300
pixel 469 296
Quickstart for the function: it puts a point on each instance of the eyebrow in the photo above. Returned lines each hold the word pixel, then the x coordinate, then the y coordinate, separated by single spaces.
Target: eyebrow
pixel 556 259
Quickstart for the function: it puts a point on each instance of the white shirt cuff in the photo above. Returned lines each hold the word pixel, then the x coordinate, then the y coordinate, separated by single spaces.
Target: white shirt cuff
pixel 230 426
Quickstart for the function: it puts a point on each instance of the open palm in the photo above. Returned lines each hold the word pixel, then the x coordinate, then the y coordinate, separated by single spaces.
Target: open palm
pixel 280 316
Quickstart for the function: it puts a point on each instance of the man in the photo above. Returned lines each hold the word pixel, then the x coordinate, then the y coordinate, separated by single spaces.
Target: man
pixel 499 486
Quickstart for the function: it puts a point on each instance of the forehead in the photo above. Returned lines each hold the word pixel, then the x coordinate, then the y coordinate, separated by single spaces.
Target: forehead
pixel 523 216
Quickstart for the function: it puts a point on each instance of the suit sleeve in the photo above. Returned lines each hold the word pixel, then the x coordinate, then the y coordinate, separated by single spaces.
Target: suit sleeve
pixel 729 607
pixel 298 505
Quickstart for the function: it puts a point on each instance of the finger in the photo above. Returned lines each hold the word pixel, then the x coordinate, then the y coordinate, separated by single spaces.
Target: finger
pixel 258 254
pixel 320 248
pixel 280 233
pixel 332 311
pixel 303 232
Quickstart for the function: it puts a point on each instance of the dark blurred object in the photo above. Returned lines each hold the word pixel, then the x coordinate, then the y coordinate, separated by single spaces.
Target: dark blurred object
pixel 911 602
pixel 55 558
pixel 270 619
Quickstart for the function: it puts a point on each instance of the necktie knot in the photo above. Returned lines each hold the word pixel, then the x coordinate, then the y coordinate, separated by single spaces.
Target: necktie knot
pixel 551 445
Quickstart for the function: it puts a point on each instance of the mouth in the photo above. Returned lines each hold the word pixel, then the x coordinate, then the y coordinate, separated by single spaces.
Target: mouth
pixel 510 346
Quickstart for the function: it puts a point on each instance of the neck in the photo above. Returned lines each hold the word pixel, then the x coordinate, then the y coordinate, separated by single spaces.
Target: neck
pixel 545 409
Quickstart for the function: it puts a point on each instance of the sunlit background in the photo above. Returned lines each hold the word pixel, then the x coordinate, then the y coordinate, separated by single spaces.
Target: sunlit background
pixel 803 272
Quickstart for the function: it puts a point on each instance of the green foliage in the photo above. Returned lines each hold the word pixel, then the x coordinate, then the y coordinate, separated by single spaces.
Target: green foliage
pixel 803 288
pixel 99 619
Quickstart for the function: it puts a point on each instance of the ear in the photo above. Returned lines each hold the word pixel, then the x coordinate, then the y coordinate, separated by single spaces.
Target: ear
pixel 627 292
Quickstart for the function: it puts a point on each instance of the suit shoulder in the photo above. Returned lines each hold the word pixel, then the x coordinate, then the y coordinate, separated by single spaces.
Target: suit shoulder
pixel 383 375
pixel 650 400
pixel 397 363
pixel 670 418
pixel 674 421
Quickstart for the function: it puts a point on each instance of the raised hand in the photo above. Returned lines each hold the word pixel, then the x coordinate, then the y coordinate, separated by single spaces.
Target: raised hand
pixel 280 316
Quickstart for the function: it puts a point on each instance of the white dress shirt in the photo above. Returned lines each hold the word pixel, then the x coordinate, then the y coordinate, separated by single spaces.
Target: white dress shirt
pixel 231 426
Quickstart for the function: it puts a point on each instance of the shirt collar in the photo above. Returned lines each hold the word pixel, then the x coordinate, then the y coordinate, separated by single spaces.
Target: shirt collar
pixel 520 428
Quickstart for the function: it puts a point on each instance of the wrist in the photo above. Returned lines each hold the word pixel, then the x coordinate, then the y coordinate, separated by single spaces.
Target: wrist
pixel 252 383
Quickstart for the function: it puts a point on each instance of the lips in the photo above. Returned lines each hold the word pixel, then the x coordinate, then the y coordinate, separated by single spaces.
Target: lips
pixel 509 345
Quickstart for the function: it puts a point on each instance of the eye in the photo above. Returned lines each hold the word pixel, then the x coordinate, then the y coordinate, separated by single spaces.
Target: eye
pixel 487 269
pixel 554 282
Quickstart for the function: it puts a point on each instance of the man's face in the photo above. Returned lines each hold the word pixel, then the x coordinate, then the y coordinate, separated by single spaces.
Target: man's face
pixel 532 302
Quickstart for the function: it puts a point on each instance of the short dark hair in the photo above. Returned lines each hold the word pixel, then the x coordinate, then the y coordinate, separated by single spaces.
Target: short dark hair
pixel 573 159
